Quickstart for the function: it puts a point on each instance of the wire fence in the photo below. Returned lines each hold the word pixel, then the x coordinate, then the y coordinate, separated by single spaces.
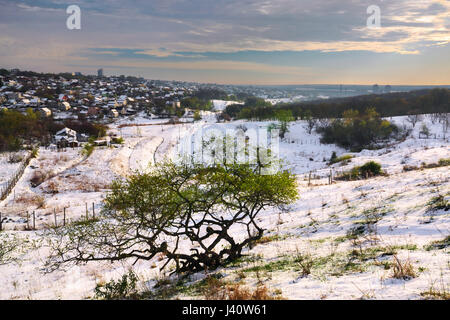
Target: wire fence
pixel 10 184
pixel 53 218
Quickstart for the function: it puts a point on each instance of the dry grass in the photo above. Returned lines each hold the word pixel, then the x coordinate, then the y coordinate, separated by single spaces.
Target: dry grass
pixel 40 176
pixel 216 289
pixel 403 269
pixel 51 188
pixel 437 293
pixel 71 183
pixel 31 200
pixel 305 262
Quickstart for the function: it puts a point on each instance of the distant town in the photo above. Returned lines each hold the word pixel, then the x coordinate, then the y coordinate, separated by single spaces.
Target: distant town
pixel 75 96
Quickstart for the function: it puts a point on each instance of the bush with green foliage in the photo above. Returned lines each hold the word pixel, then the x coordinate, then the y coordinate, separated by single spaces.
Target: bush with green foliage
pixel 88 147
pixel 356 132
pixel 150 214
pixel 369 169
pixel 117 140
pixel 439 202
pixel 335 159
pixel 122 289
pixel 197 116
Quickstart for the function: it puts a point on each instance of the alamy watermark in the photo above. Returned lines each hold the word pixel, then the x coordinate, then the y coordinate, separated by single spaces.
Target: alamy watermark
pixel 374 19
pixel 213 145
pixel 73 22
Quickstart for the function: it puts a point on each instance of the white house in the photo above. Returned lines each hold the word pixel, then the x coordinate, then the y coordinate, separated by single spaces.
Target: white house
pixel 46 112
pixel 66 137
pixel 113 113
pixel 65 106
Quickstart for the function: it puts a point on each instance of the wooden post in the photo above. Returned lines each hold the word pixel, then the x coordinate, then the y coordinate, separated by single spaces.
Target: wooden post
pixel 34 221
pixel 309 179
pixel 28 221
pixel 64 217
pixel 54 215
pixel 1 222
pixel 93 211
pixel 87 213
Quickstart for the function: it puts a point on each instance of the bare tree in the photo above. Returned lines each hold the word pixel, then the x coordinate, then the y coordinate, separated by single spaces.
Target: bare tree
pixel 413 119
pixel 444 119
pixel 311 122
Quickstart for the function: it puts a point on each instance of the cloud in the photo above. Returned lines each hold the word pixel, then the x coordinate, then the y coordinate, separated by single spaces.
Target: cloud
pixel 178 33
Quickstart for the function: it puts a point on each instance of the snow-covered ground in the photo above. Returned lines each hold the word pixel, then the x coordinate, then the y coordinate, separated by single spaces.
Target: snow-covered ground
pixel 220 105
pixel 9 167
pixel 317 224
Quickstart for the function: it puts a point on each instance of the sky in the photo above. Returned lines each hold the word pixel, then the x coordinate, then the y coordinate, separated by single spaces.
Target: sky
pixel 260 42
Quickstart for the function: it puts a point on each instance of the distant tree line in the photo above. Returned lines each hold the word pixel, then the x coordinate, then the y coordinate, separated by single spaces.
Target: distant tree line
pixel 201 99
pixel 387 105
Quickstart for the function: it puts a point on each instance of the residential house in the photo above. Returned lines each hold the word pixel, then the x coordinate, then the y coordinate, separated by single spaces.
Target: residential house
pixel 46 112
pixel 66 138
pixel 65 106
pixel 113 113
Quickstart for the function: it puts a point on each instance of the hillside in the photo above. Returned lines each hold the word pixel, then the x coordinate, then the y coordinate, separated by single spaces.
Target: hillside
pixel 338 241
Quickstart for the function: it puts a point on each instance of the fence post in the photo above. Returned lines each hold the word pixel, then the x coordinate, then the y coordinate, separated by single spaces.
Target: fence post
pixel 1 222
pixel 28 221
pixel 87 213
pixel 309 179
pixel 34 221
pixel 93 211
pixel 54 214
pixel 64 218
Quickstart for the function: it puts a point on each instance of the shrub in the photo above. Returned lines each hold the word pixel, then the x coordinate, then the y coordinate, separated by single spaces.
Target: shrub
pixel 438 202
pixel 124 288
pixel 356 132
pixel 370 169
pixel 118 140
pixel 333 157
pixel 88 148
pixel 214 289
pixel 407 168
pixel 197 116
pixel 305 262
pixel 425 131
pixel 38 178
pixel 345 159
